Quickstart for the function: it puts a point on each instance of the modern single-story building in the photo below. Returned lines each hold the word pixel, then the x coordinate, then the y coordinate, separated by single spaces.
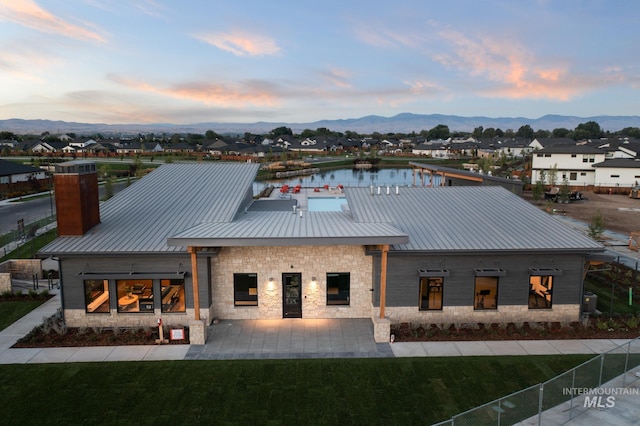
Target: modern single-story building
pixel 188 243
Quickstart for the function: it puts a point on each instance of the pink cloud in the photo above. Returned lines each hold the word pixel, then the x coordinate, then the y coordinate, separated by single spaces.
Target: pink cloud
pixel 515 72
pixel 27 13
pixel 241 43
pixel 231 95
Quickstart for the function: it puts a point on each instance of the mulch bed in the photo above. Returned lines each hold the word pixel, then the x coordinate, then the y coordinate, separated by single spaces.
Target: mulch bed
pixel 596 329
pixel 76 337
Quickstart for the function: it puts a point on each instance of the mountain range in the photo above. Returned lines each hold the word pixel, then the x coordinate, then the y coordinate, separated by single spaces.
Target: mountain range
pixel 401 123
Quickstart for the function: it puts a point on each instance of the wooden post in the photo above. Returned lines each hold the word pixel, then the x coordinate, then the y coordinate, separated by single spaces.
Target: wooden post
pixel 383 279
pixel 194 281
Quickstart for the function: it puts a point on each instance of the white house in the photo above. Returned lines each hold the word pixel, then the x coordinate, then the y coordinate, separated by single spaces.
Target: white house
pixel 618 173
pixel 572 162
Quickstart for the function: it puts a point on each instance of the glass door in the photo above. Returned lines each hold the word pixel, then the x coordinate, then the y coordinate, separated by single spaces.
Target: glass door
pixel 292 295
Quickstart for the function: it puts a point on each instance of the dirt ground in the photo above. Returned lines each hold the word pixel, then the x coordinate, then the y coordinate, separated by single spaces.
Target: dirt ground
pixel 620 213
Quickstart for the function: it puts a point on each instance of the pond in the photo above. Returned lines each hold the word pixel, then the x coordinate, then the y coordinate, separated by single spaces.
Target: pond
pixel 348 177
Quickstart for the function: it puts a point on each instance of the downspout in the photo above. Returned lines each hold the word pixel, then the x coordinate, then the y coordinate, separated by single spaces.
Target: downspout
pixel 194 281
pixel 383 279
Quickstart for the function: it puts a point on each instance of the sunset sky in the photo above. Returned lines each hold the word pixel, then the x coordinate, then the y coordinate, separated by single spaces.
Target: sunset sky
pixel 190 61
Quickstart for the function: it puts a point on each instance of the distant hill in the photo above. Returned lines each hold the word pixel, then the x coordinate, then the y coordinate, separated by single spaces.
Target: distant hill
pixel 403 123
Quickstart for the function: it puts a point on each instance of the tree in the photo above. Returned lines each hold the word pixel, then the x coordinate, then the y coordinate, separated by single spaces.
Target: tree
pixel 477 132
pixel 538 188
pixel 632 132
pixel 489 133
pixel 560 132
pixel 541 134
pixel 553 175
pixel 597 226
pixel 565 191
pixel 588 130
pixel 441 131
pixel 525 132
pixel 211 135
pixel 279 131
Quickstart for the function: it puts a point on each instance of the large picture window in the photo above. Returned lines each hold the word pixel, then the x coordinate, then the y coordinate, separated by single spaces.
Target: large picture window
pixel 96 296
pixel 431 293
pixel 135 295
pixel 172 293
pixel 540 291
pixel 486 293
pixel 245 289
pixel 338 285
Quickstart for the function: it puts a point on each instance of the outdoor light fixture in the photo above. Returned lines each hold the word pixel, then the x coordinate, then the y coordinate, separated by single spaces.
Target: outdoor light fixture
pixel 270 284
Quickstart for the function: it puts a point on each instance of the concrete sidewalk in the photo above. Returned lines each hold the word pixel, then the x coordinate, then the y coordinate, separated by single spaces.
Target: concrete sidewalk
pixel 268 339
pixel 293 339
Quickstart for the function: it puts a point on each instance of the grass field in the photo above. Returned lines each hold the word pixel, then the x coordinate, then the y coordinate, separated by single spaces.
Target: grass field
pixel 266 392
pixel 11 311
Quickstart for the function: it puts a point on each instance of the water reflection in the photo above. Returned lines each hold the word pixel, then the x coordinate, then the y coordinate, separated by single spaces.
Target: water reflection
pixel 350 177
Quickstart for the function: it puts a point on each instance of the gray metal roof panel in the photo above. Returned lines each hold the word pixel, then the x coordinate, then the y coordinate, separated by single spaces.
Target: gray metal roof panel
pixel 168 200
pixel 287 228
pixel 466 218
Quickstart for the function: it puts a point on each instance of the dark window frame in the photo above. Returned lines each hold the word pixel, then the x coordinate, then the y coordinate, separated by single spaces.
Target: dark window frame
pixel 95 297
pixel 541 299
pixel 338 288
pixel 432 285
pixel 245 289
pixel 484 292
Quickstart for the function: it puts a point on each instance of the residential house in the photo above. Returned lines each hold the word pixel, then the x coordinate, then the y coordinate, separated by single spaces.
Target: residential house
pixel 571 163
pixel 618 173
pixel 188 243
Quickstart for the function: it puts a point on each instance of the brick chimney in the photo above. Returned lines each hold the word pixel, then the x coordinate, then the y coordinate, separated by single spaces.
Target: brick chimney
pixel 76 192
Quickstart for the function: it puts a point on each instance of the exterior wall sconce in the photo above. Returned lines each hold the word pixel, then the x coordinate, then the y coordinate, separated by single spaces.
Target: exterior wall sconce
pixel 314 282
pixel 270 284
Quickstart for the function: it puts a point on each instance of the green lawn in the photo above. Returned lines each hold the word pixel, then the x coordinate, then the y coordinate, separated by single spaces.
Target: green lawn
pixel 11 311
pixel 31 247
pixel 388 391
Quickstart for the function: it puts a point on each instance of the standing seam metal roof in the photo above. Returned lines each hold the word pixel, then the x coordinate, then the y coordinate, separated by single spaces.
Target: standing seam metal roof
pixel 170 199
pixel 466 218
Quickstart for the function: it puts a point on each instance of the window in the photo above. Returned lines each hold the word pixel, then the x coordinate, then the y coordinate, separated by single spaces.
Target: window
pixel 540 290
pixel 338 284
pixel 573 176
pixel 573 155
pixel 245 289
pixel 135 295
pixel 96 296
pixel 615 176
pixel 172 295
pixel 431 293
pixel 486 293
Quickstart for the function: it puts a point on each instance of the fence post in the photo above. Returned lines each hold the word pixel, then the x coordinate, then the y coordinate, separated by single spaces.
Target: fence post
pixel 540 404
pixel 573 386
pixel 601 368
pixel 626 365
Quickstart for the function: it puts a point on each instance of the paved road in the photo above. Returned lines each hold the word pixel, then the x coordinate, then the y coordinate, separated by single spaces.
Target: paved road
pixel 33 209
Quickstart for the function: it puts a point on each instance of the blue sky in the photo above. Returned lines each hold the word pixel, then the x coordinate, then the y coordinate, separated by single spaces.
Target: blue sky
pixel 188 61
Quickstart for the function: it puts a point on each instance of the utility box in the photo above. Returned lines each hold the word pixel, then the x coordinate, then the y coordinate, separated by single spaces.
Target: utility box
pixel 589 302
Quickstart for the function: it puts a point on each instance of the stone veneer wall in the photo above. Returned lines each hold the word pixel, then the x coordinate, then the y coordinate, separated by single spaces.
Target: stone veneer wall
pixel 80 318
pixel 5 282
pixel 466 314
pixel 310 261
pixel 23 269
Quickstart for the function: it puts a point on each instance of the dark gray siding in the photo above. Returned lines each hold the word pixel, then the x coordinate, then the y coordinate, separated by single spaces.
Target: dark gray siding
pixel 72 281
pixel 513 289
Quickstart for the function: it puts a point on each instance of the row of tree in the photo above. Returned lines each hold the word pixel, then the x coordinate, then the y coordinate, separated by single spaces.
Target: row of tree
pixel 588 130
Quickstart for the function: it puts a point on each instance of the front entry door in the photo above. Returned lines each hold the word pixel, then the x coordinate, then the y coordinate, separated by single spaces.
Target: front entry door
pixel 292 295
